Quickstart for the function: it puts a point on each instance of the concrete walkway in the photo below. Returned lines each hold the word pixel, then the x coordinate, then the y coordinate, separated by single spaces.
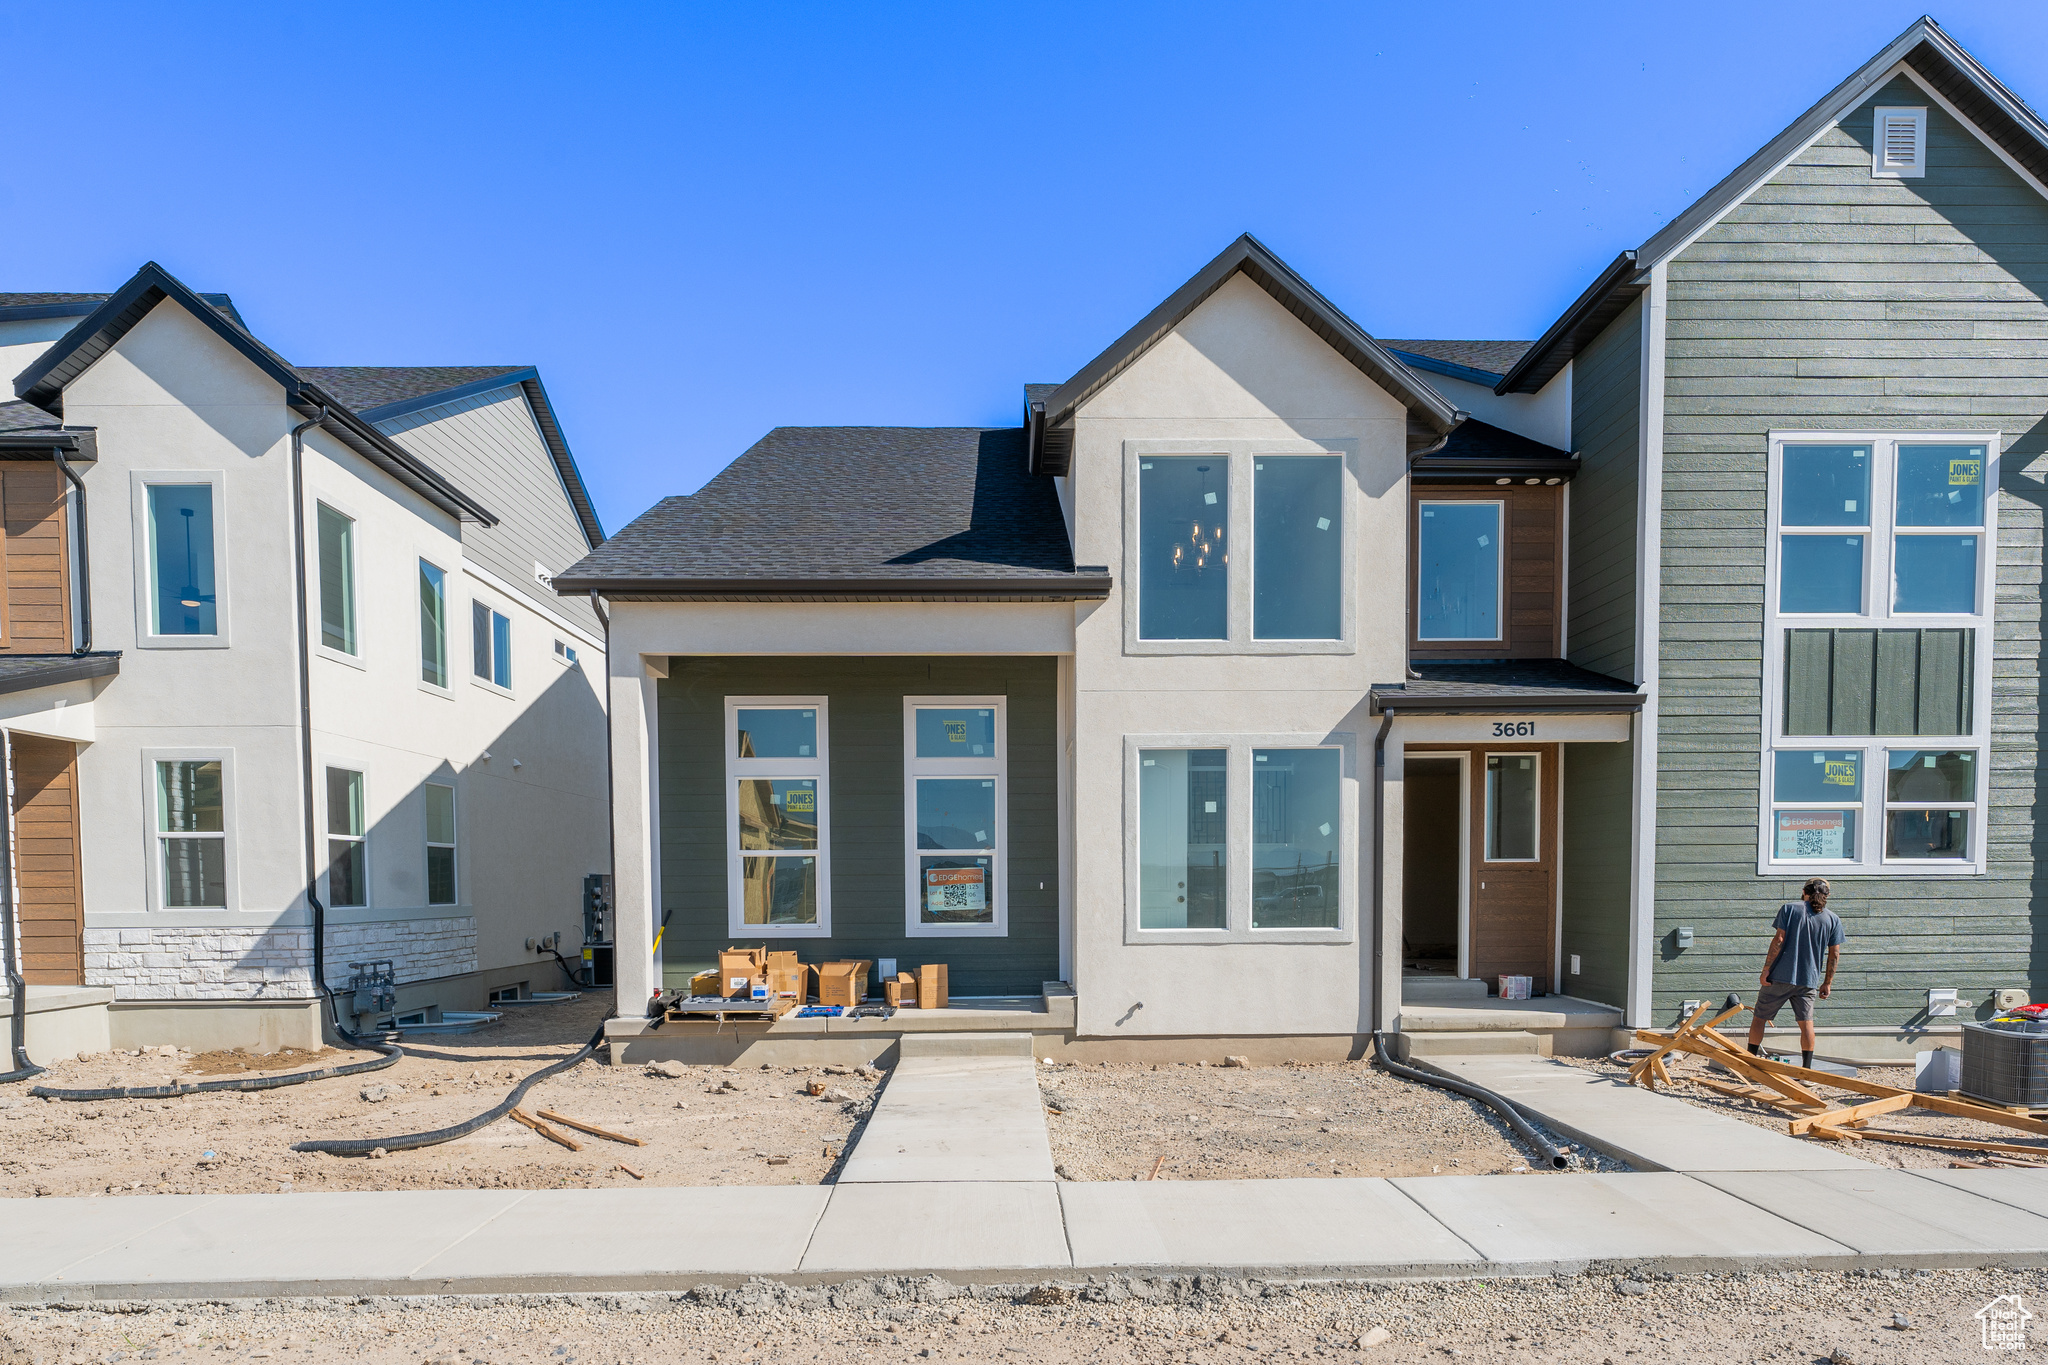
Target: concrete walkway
pixel 1651 1132
pixel 957 1107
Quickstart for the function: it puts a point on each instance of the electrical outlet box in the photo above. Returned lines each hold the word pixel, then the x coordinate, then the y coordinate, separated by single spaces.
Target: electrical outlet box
pixel 1687 1008
pixel 1685 937
pixel 1941 1001
pixel 2010 998
pixel 1575 964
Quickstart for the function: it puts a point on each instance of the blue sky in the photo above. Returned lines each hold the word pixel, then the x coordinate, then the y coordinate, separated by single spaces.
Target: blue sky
pixel 705 221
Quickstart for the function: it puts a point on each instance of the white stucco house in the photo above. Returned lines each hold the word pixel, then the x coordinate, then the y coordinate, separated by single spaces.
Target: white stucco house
pixel 280 648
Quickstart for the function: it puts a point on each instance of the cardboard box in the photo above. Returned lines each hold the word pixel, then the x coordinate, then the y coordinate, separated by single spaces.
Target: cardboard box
pixel 739 969
pixel 897 993
pixel 791 980
pixel 842 983
pixel 704 983
pixel 931 986
pixel 1515 987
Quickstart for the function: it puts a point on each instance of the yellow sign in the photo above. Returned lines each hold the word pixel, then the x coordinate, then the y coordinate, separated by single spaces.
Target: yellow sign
pixel 956 732
pixel 1840 774
pixel 803 799
pixel 1965 471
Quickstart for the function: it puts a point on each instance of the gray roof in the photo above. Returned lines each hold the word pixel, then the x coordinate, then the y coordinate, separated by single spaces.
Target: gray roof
pixel 1489 357
pixel 20 672
pixel 1480 450
pixel 1506 685
pixel 364 387
pixel 839 512
pixel 25 306
pixel 39 300
pixel 19 416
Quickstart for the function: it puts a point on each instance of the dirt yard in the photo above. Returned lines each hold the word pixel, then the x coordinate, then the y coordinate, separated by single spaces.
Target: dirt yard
pixel 1785 1319
pixel 709 1126
pixel 1113 1121
pixel 1921 1122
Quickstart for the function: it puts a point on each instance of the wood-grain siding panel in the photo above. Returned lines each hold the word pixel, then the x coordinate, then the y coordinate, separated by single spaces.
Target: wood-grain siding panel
pixel 47 853
pixel 35 588
pixel 1832 299
pixel 1533 527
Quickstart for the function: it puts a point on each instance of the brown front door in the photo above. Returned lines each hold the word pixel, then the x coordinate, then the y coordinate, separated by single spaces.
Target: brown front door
pixel 1514 863
pixel 46 861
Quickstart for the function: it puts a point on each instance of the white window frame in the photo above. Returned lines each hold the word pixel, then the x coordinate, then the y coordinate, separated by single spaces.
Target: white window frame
pixel 1239 457
pixel 427 885
pixel 328 836
pixel 314 623
pixel 996 766
pixel 1238 830
pixel 1500 577
pixel 491 684
pixel 1916 115
pixel 423 560
pixel 1536 755
pixel 146 636
pixel 816 767
pixel 1880 537
pixel 153 836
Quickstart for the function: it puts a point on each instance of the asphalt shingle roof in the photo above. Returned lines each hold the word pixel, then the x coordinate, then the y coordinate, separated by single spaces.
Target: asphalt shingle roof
pixel 1493 357
pixel 363 387
pixel 1504 682
pixel 38 300
pixel 1477 440
pixel 18 416
pixel 851 503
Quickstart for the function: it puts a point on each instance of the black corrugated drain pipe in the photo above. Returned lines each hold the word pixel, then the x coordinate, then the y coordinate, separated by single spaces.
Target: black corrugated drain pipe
pixel 1546 1154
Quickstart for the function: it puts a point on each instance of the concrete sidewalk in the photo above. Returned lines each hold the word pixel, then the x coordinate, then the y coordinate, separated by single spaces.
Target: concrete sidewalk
pixel 568 1241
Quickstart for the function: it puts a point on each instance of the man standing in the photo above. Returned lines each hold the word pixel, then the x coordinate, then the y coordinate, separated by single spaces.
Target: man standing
pixel 1806 931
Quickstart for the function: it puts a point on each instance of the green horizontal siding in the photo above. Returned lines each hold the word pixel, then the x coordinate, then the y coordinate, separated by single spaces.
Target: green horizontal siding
pixel 1832 299
pixel 1606 408
pixel 1595 808
pixel 865 742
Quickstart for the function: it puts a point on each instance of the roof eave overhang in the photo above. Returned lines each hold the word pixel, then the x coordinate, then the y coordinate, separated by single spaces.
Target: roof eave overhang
pixel 1436 469
pixel 79 443
pixel 1604 301
pixel 1078 588
pixel 1453 704
pixel 64 669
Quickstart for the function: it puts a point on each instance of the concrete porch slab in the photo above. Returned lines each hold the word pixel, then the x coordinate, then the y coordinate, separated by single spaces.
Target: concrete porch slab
pixel 553 1241
pixel 1264 1224
pixel 1472 1016
pixel 1544 1223
pixel 962 1226
pixel 955 1118
pixel 44 1236
pixel 1891 1213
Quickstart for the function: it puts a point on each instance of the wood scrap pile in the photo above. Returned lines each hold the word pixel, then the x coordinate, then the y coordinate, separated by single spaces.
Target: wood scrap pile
pixel 1791 1090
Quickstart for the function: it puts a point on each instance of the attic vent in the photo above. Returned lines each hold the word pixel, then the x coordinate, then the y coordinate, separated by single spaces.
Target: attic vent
pixel 1899 143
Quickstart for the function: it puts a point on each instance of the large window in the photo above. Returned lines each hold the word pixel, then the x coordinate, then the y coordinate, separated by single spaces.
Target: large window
pixel 433 625
pixel 1183 843
pixel 441 888
pixel 1183 555
pixel 348 854
pixel 337 580
pixel 191 834
pixel 956 814
pixel 490 645
pixel 1297 547
pixel 1458 571
pixel 1295 819
pixel 1877 643
pixel 777 812
pixel 181 553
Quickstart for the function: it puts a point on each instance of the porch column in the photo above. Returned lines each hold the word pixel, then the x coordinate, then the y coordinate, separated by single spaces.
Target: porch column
pixel 636 817
pixel 1388 985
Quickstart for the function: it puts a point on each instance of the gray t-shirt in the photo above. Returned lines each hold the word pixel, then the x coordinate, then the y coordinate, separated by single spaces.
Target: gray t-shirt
pixel 1809 933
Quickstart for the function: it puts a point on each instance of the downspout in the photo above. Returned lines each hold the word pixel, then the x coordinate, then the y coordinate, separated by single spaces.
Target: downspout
pixel 84 553
pixel 17 984
pixel 306 718
pixel 611 819
pixel 1379 874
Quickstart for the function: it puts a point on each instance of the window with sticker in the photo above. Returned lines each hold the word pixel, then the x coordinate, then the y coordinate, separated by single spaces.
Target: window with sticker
pixel 956 816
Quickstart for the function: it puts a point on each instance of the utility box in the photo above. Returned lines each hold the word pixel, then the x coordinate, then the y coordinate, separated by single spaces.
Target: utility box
pixel 597 929
pixel 2006 1062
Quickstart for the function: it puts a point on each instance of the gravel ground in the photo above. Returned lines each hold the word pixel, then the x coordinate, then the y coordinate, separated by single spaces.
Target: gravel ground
pixel 707 1126
pixel 1113 1121
pixel 1921 1122
pixel 1601 1319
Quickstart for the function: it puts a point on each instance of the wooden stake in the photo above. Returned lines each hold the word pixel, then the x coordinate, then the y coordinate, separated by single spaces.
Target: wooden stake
pixel 1155 1167
pixel 550 1134
pixel 630 1171
pixel 591 1128
pixel 1836 1118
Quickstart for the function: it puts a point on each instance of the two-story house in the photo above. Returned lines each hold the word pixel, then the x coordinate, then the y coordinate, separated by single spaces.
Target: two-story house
pixel 283 678
pixel 1268 685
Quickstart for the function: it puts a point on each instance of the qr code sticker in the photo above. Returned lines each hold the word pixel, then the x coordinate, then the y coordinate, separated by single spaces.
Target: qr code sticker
pixel 1809 843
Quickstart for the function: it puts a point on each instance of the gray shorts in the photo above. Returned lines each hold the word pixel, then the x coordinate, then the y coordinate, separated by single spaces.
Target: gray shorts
pixel 1777 994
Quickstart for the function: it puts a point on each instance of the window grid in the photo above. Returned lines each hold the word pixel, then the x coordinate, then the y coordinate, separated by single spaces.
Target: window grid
pixel 969 895
pixel 442 881
pixel 802 867
pixel 348 879
pixel 1918 489
pixel 190 799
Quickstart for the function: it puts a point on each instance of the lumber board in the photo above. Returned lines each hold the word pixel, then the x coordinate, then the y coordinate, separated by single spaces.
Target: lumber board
pixel 1957 1144
pixel 550 1134
pixel 1835 1118
pixel 580 1126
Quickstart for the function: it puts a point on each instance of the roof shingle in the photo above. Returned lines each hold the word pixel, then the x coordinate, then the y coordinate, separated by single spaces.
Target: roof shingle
pixel 363 387
pixel 1492 357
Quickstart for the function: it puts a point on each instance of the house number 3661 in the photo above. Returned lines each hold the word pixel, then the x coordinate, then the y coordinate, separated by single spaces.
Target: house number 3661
pixel 1513 729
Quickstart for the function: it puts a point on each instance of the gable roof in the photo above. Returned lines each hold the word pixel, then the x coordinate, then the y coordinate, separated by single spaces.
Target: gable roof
pixel 42 383
pixel 1926 50
pixel 380 393
pixel 1478 362
pixel 852 514
pixel 28 307
pixel 1430 417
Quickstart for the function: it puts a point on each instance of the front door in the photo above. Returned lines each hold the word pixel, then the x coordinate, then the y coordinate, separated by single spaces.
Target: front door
pixel 1514 864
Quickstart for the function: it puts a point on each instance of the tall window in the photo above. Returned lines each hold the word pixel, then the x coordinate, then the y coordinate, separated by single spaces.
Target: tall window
pixel 1458 571
pixel 1513 797
pixel 1183 839
pixel 956 809
pixel 1878 637
pixel 182 597
pixel 490 645
pixel 191 834
pixel 1295 818
pixel 1297 547
pixel 1183 558
pixel 440 844
pixel 348 881
pixel 337 580
pixel 433 625
pixel 777 809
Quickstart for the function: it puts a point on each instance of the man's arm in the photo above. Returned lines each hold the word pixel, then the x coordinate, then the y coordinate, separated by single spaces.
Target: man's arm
pixel 1828 982
pixel 1763 978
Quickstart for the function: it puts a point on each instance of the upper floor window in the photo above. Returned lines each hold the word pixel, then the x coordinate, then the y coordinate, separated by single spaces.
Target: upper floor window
pixel 337 580
pixel 1458 571
pixel 1297 547
pixel 182 595
pixel 490 645
pixel 433 625
pixel 1877 653
pixel 1183 550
